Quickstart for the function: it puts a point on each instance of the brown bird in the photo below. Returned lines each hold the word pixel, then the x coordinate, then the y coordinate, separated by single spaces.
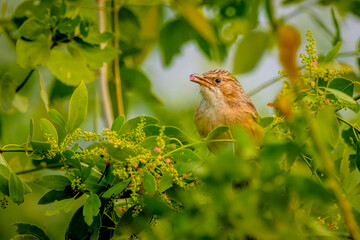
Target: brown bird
pixel 224 102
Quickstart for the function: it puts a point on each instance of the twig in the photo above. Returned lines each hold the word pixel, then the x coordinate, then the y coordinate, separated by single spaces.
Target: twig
pixel 25 80
pixel 104 88
pixel 117 77
pixel 264 85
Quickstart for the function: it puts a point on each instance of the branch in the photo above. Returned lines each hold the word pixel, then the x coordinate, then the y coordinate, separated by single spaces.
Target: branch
pixel 104 88
pixel 117 77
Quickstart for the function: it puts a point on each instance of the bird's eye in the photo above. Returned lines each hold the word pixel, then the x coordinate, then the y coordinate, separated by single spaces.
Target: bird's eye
pixel 217 80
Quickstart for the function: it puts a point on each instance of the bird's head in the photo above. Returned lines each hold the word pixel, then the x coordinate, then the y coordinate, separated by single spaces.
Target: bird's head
pixel 218 85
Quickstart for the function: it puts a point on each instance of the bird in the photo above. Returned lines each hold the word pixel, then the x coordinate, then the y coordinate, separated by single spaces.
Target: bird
pixel 224 102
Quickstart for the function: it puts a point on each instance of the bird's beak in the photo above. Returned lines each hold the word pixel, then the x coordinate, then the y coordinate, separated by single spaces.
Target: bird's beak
pixel 200 80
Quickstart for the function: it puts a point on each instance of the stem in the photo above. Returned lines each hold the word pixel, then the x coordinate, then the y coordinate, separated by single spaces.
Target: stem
pixel 347 123
pixel 104 88
pixel 304 158
pixel 117 77
pixel 14 150
pixel 25 80
pixel 328 165
pixel 264 85
pixel 40 168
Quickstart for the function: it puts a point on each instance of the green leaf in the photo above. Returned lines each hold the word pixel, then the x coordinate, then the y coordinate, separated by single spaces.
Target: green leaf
pixel 340 95
pixel 133 123
pixel 68 69
pixel 170 131
pixel 56 117
pixel 94 56
pixel 56 182
pixel 349 137
pixel 250 51
pixel 32 28
pixel 186 160
pixel 217 132
pixel 77 228
pixel 68 25
pixel 16 189
pixel 73 161
pixel 266 121
pixel 4 179
pixel 342 84
pixel 172 37
pixel 91 208
pixel 199 23
pixel 43 93
pixel 116 189
pixel 149 183
pixel 137 82
pixel 118 123
pixel 64 205
pixel 77 108
pixel 328 126
pixel 48 128
pixel 31 54
pixel 7 91
pixel 95 37
pixel 40 148
pixel 54 195
pixel 330 56
pixel 33 230
pixel 166 182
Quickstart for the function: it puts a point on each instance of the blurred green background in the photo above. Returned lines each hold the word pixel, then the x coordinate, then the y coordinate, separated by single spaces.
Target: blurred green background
pixel 167 58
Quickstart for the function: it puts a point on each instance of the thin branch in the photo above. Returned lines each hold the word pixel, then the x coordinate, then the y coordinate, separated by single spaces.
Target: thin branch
pixel 41 168
pixel 117 77
pixel 25 80
pixel 264 85
pixel 104 88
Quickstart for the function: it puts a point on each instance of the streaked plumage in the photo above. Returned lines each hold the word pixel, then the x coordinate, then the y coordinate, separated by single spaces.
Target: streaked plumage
pixel 224 102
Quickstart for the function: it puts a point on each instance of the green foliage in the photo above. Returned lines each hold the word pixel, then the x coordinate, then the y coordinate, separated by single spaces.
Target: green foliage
pixel 27 230
pixel 145 180
pixel 77 108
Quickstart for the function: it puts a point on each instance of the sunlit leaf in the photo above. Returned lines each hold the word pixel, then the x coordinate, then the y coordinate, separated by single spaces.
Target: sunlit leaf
pixel 186 160
pixel 342 84
pixel 67 25
pixel 166 182
pixel 217 132
pixel 249 51
pixel 56 117
pixel 32 53
pixel 69 70
pixel 94 56
pixel 43 93
pixel 149 183
pixel 32 28
pixel 47 128
pixel 91 208
pixel 118 123
pixel 340 95
pixel 116 189
pixel 133 123
pixel 77 108
pixel 328 126
pixel 330 56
